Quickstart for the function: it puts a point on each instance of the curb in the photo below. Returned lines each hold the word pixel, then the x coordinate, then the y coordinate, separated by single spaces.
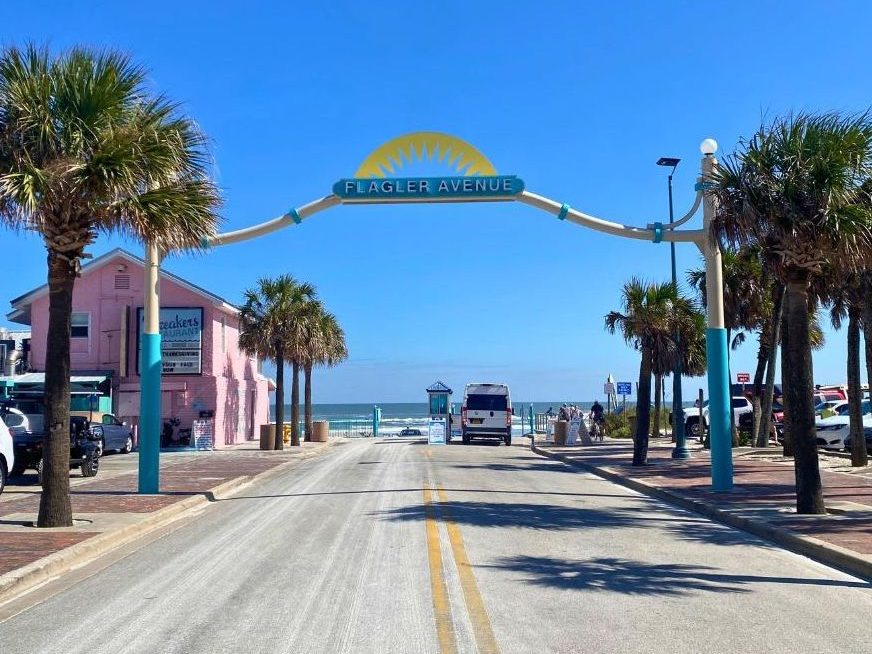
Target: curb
pixel 822 552
pixel 17 582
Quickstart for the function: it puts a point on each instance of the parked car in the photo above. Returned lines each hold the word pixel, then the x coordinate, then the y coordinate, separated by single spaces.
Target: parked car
pixel 27 413
pixel 16 421
pixel 867 434
pixel 829 394
pixel 410 431
pixel 114 434
pixel 486 412
pixel 831 407
pixel 7 454
pixel 746 422
pixel 741 405
pixel 832 432
pixel 85 449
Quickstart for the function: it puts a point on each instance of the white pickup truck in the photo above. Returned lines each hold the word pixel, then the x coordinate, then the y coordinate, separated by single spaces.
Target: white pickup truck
pixel 741 405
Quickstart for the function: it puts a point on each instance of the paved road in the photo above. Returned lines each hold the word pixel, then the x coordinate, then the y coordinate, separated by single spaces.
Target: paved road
pixel 398 546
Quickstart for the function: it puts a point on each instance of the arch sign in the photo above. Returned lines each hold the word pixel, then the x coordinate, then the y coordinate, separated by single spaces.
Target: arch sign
pixel 477 180
pixel 474 179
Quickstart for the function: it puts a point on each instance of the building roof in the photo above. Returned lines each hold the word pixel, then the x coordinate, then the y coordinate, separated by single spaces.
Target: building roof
pixel 21 305
pixel 439 387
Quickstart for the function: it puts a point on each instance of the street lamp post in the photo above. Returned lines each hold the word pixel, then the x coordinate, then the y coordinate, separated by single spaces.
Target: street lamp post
pixel 680 451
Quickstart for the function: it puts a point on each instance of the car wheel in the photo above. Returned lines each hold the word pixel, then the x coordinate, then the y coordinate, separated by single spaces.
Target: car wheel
pixel 91 466
pixel 508 440
pixel 128 445
pixel 692 427
pixel 465 439
pixel 2 476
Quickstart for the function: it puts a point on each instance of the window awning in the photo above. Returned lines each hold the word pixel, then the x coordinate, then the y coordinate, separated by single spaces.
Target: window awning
pixel 34 382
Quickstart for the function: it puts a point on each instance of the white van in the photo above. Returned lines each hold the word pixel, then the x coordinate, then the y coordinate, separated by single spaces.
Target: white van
pixel 487 412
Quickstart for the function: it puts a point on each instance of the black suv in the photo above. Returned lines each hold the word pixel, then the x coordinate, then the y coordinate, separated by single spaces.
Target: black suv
pixel 84 449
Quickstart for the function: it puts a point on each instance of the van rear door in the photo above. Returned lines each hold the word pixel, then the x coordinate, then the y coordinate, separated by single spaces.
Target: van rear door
pixel 487 411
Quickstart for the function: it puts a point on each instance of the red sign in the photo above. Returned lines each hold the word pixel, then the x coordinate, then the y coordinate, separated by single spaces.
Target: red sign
pixel 743 377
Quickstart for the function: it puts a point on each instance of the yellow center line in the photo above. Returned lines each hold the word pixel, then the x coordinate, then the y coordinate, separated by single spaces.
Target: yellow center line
pixel 481 625
pixel 438 587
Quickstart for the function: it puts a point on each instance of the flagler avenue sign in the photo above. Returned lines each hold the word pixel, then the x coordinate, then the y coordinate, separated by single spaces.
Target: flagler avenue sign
pixel 429 189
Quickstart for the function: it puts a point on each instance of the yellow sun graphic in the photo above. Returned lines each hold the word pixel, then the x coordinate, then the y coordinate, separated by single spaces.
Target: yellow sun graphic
pixel 418 146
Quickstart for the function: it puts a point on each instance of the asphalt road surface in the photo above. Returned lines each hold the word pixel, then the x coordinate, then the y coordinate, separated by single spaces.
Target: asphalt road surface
pixel 399 546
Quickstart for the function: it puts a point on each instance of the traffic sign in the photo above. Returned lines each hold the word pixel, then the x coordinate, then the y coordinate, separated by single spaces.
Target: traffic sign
pixel 625 388
pixel 743 377
pixel 609 388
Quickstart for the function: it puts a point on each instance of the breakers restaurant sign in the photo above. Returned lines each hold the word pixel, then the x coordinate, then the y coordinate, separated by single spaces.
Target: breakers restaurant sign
pixel 181 340
pixel 477 181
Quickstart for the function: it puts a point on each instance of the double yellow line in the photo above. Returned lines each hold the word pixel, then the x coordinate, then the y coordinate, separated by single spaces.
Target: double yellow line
pixel 481 626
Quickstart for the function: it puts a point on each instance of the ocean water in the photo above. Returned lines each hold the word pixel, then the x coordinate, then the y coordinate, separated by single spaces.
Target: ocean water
pixel 396 416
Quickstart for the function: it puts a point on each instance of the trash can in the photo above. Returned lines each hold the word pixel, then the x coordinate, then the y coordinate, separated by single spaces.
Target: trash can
pixel 268 437
pixel 320 431
pixel 561 428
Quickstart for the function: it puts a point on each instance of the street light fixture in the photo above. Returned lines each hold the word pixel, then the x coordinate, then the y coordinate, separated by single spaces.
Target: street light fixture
pixel 680 451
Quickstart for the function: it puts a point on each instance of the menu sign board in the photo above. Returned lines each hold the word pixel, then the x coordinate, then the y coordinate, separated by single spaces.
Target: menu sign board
pixel 181 340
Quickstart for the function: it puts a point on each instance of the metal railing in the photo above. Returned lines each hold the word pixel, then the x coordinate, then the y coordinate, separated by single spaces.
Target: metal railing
pixel 351 428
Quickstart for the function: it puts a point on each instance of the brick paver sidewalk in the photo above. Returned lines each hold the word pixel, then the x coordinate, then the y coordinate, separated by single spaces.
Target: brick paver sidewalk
pixel 115 500
pixel 764 490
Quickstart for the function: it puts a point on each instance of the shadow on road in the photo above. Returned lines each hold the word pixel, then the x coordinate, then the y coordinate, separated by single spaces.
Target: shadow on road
pixel 553 517
pixel 638 578
pixel 531 516
pixel 535 466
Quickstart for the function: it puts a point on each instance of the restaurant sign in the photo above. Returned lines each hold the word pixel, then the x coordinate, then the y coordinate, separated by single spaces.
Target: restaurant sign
pixel 181 340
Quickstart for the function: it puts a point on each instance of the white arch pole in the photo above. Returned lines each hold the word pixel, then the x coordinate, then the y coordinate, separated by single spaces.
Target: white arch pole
pixel 720 424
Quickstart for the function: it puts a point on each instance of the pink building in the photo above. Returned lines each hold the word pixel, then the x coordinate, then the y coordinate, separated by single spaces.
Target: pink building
pixel 203 369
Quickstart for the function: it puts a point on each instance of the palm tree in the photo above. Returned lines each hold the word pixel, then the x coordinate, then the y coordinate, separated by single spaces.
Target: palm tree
pixel 266 329
pixel 85 149
pixel 845 296
pixel 651 315
pixel 326 347
pixel 795 190
pixel 305 312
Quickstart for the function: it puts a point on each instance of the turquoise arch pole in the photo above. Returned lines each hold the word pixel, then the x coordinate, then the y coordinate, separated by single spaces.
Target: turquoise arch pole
pixel 720 420
pixel 149 371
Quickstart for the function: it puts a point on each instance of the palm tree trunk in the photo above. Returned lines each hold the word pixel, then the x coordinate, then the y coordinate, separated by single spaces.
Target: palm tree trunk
pixel 295 404
pixel 859 456
pixel 55 509
pixel 800 389
pixel 307 401
pixel 643 410
pixel 280 400
pixel 757 392
pixel 774 336
pixel 658 386
pixel 786 380
pixel 734 433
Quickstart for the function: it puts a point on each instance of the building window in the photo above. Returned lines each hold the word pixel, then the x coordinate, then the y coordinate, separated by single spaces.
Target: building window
pixel 80 325
pixel 223 334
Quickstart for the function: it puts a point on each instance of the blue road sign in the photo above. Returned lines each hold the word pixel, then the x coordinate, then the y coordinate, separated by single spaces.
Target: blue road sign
pixel 625 388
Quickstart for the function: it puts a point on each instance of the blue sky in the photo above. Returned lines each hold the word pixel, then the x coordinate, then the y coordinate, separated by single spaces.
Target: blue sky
pixel 579 99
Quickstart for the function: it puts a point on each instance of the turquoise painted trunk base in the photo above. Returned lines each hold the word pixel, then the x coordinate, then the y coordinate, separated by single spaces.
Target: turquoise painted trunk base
pixel 149 415
pixel 720 427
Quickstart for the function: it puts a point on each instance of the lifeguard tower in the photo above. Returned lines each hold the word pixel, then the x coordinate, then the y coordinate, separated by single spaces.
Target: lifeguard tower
pixel 439 411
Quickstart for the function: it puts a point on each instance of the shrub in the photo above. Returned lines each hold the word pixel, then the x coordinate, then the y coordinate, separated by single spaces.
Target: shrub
pixel 619 425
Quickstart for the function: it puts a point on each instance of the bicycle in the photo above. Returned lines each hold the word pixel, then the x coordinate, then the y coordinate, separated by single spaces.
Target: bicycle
pixel 597 428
